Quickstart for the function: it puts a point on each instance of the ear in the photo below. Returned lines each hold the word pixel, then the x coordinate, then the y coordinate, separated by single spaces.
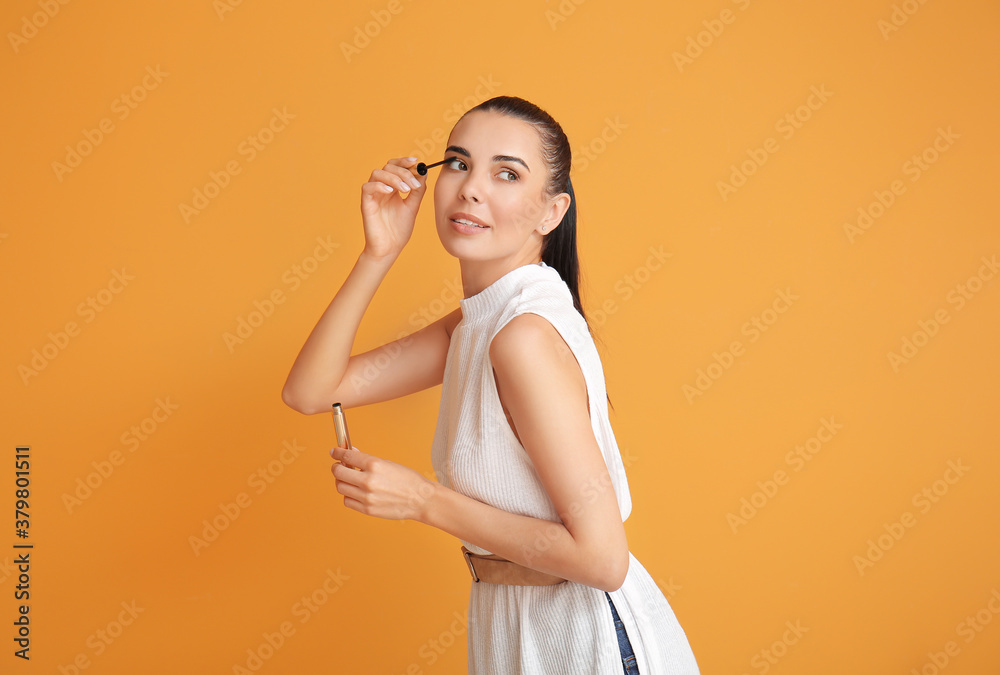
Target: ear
pixel 556 210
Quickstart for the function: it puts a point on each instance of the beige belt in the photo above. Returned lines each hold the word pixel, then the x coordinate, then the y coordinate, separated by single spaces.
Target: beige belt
pixel 496 570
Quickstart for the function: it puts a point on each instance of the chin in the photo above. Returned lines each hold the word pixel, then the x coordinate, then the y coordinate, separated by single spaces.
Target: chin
pixel 458 246
pixel 464 252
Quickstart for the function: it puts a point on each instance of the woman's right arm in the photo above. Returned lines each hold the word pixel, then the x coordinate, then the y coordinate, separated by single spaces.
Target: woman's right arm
pixel 324 371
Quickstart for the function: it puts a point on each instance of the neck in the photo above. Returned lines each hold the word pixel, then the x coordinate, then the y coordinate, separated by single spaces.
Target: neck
pixel 480 274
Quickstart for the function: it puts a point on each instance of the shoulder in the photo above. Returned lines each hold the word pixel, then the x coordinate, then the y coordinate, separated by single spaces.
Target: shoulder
pixel 530 348
pixel 525 334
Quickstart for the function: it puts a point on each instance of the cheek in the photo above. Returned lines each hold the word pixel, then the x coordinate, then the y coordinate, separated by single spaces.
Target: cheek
pixel 445 189
pixel 439 193
pixel 518 213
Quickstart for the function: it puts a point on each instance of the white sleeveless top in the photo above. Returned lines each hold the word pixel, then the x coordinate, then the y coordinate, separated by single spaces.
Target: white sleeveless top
pixel 568 627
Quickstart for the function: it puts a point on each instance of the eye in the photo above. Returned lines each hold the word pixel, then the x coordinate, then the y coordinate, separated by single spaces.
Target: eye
pixel 508 171
pixel 453 160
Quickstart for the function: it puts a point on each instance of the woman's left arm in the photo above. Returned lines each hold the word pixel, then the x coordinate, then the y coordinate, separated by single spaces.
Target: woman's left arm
pixel 546 395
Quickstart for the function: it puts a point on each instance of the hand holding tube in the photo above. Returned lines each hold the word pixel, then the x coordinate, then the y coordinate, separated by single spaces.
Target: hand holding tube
pixel 340 426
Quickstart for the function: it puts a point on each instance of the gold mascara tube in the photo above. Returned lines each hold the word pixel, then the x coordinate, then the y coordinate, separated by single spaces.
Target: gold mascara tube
pixel 340 425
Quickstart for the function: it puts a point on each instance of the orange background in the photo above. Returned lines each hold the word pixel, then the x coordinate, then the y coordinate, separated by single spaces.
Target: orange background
pixel 661 105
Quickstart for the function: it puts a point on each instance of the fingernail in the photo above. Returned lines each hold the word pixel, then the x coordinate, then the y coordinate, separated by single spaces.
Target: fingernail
pixel 404 187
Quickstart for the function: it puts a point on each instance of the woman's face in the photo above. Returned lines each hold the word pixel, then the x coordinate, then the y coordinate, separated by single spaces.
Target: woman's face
pixel 498 178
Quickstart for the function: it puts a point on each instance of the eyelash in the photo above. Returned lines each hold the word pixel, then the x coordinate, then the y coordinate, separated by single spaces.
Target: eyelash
pixel 452 160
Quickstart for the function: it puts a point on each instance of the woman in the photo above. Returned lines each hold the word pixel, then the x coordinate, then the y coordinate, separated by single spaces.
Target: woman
pixel 530 476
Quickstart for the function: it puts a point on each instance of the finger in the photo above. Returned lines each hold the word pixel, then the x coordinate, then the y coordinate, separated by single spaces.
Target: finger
pixel 353 497
pixel 342 463
pixel 353 501
pixel 396 176
pixel 384 182
pixel 339 451
pixel 410 164
pixel 407 162
pixel 342 454
pixel 377 188
pixel 354 504
pixel 346 474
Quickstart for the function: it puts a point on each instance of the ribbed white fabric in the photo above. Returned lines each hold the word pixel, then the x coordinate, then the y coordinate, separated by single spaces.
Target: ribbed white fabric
pixel 543 630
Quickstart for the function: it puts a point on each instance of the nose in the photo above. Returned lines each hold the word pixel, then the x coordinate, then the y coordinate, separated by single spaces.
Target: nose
pixel 471 189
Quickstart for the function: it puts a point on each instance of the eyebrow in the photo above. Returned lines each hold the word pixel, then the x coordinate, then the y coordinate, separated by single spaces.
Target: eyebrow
pixel 496 158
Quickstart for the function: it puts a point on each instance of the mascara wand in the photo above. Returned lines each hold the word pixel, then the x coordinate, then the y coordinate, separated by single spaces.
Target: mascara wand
pixel 422 168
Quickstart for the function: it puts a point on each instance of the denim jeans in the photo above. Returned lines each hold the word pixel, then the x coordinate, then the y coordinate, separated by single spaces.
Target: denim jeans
pixel 624 646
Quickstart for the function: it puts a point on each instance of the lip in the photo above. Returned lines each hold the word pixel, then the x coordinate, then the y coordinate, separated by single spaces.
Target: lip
pixel 466 216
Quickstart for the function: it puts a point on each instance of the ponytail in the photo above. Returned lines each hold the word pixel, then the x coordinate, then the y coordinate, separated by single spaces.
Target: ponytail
pixel 559 252
pixel 559 249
